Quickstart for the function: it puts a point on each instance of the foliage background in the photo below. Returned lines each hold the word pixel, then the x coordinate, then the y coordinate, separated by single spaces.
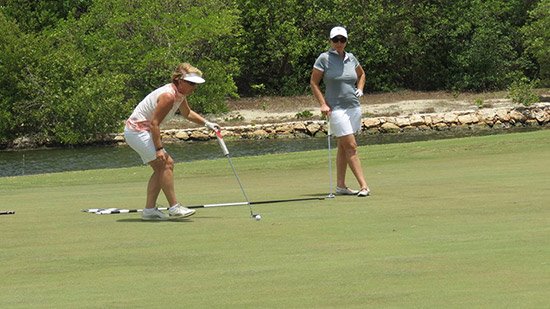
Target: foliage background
pixel 71 71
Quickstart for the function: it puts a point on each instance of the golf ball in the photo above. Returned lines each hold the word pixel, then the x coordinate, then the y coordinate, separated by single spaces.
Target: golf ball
pixel 258 217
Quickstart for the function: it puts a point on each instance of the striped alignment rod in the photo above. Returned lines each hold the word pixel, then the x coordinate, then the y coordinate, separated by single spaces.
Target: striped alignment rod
pixel 108 211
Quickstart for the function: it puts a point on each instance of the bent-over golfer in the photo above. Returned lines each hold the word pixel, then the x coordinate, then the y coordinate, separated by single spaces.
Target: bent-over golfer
pixel 344 80
pixel 142 133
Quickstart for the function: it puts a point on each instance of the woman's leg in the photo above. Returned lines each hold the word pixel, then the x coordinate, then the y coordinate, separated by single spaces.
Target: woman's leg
pixel 341 164
pixel 161 179
pixel 347 156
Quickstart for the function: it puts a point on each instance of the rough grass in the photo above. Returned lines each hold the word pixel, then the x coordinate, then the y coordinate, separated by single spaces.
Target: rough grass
pixel 451 223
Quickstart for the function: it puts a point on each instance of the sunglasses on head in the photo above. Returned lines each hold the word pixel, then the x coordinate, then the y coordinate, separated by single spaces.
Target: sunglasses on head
pixel 340 39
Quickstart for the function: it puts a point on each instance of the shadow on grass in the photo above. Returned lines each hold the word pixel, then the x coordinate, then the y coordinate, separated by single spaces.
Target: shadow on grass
pixel 316 194
pixel 138 220
pixel 176 220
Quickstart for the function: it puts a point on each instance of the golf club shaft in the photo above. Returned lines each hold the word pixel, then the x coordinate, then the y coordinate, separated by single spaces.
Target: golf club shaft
pixel 226 153
pixel 287 200
pixel 238 179
pixel 222 143
pixel 329 134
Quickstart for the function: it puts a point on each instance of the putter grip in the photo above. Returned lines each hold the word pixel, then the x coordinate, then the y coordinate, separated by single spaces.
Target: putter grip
pixel 222 143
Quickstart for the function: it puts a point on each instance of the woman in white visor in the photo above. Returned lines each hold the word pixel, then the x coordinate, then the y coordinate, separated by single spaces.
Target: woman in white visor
pixel 142 133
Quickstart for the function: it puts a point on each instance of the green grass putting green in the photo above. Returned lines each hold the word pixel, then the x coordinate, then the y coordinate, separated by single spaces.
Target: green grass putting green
pixel 451 223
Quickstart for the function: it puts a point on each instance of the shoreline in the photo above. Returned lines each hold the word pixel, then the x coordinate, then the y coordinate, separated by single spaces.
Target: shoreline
pixel 501 117
pixel 537 115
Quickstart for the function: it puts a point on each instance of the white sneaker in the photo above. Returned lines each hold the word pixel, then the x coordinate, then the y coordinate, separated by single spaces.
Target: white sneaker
pixel 180 211
pixel 346 191
pixel 153 214
pixel 363 193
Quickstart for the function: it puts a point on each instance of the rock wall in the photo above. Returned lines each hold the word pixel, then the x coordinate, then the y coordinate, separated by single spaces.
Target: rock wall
pixel 494 118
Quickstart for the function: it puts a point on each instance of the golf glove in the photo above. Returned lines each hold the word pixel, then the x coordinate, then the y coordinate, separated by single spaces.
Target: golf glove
pixel 212 125
pixel 358 93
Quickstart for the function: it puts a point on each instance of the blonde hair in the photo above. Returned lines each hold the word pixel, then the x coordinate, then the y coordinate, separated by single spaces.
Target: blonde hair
pixel 184 69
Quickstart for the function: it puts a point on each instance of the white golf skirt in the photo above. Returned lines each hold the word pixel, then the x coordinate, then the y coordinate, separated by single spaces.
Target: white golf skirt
pixel 142 143
pixel 345 121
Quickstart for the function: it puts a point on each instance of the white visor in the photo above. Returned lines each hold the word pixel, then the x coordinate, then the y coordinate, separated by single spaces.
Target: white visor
pixel 194 78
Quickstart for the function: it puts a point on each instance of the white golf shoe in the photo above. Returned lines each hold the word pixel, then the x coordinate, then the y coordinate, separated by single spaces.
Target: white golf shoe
pixel 153 214
pixel 363 192
pixel 180 211
pixel 346 191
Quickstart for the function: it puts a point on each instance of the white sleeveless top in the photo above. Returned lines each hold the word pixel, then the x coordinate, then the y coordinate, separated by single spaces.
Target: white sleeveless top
pixel 141 117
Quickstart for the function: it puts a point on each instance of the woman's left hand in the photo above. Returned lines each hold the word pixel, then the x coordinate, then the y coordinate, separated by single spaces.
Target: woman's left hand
pixel 161 155
pixel 212 126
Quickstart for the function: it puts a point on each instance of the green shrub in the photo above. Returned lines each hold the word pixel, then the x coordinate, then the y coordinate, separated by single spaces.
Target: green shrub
pixel 521 91
pixel 78 78
pixel 478 102
pixel 537 37
pixel 304 115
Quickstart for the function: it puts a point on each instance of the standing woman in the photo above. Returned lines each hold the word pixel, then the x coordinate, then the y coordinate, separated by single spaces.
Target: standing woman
pixel 142 133
pixel 344 80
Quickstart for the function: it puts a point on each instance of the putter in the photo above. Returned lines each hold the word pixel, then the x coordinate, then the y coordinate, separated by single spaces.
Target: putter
pixel 7 212
pixel 329 134
pixel 226 153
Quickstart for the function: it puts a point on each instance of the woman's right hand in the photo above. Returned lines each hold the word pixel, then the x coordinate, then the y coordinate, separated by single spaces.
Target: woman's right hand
pixel 325 110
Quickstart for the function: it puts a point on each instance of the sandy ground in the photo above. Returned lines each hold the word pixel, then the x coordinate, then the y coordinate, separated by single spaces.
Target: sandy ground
pixel 284 109
pixel 404 107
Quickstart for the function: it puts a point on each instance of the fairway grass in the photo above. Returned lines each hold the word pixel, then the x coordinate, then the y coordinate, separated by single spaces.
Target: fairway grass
pixel 457 223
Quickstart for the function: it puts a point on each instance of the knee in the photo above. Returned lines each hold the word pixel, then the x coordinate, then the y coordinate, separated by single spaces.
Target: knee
pixel 350 149
pixel 169 164
pixel 161 166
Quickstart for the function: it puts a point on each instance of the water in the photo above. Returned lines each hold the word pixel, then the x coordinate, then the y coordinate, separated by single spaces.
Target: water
pixel 39 161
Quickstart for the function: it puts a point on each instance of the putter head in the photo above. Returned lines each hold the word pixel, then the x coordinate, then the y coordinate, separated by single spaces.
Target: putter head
pixel 330 195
